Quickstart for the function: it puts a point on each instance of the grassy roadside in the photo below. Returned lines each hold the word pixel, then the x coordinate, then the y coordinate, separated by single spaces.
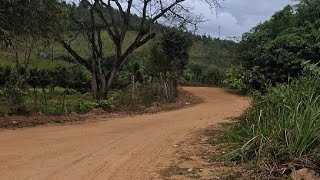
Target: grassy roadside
pixel 279 133
pixel 91 111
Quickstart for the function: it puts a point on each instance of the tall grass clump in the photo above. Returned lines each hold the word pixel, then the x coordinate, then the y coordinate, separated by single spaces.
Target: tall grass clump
pixel 281 129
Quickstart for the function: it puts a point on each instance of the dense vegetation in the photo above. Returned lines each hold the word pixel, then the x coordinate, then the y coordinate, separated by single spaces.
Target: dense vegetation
pixel 209 60
pixel 42 74
pixel 273 51
pixel 279 60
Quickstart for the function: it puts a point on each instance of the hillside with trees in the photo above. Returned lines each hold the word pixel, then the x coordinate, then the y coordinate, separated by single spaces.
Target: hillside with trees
pixel 54 52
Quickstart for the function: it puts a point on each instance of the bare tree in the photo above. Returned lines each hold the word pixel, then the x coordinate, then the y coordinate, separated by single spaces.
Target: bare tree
pixel 115 17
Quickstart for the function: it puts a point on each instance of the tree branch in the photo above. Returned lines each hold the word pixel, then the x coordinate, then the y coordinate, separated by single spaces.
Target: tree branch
pixel 134 46
pixel 165 10
pixel 74 54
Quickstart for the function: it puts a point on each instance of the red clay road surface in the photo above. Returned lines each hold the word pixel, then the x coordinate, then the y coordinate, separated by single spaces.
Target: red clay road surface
pixel 121 148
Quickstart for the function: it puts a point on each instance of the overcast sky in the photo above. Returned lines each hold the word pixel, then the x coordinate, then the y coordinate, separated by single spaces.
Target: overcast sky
pixel 237 16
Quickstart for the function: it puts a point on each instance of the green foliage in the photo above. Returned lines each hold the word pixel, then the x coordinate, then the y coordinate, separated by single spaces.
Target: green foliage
pixel 235 79
pixel 145 94
pixel 58 80
pixel 176 46
pixel 273 51
pixel 83 106
pixel 73 77
pixel 209 59
pixel 196 75
pixel 14 94
pixel 5 73
pixel 132 70
pixel 18 95
pixel 37 18
pixel 169 56
pixel 282 127
pixel 106 104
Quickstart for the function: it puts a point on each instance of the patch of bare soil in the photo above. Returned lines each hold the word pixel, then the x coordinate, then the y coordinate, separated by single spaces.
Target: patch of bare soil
pixel 184 99
pixel 202 157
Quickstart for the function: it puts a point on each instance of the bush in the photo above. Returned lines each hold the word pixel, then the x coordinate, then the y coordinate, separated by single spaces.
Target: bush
pixel 282 127
pixel 211 76
pixel 14 95
pixel 74 77
pixel 83 106
pixel 214 76
pixel 145 94
pixel 235 79
pixel 106 104
pixel 4 74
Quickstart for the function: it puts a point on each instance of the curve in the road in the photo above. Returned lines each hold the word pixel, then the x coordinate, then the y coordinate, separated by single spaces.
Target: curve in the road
pixel 122 148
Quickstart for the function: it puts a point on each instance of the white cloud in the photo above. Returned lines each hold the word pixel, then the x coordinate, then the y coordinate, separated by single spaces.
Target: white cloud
pixel 237 16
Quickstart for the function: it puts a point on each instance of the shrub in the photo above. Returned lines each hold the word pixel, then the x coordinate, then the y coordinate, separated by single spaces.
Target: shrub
pixel 213 76
pixel 5 73
pixel 83 106
pixel 235 79
pixel 282 127
pixel 14 95
pixel 105 104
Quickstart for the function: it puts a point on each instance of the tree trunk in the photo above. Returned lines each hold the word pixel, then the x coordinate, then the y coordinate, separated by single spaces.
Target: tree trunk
pixel 28 51
pixel 45 98
pixel 16 53
pixel 63 105
pixel 98 86
pixel 112 76
pixel 35 99
pixel 52 52
pixel 133 89
pixel 11 99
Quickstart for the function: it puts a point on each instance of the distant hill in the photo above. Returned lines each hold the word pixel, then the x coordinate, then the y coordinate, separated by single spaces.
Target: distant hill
pixel 206 54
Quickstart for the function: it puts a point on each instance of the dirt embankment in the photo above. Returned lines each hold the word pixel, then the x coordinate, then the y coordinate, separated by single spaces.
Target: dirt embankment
pixel 136 147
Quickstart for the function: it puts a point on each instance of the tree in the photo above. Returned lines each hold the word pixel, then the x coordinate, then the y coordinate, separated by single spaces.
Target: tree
pixel 273 51
pixel 168 58
pixel 23 23
pixel 115 17
pixel 170 55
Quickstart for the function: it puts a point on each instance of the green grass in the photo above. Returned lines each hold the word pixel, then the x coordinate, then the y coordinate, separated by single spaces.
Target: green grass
pixel 79 44
pixel 281 128
pixel 212 54
pixel 54 103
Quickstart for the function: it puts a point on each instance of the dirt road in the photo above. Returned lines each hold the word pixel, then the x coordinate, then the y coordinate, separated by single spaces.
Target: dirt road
pixel 123 148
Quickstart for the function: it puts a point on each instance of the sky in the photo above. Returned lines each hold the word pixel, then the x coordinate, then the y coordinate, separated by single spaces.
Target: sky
pixel 237 16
